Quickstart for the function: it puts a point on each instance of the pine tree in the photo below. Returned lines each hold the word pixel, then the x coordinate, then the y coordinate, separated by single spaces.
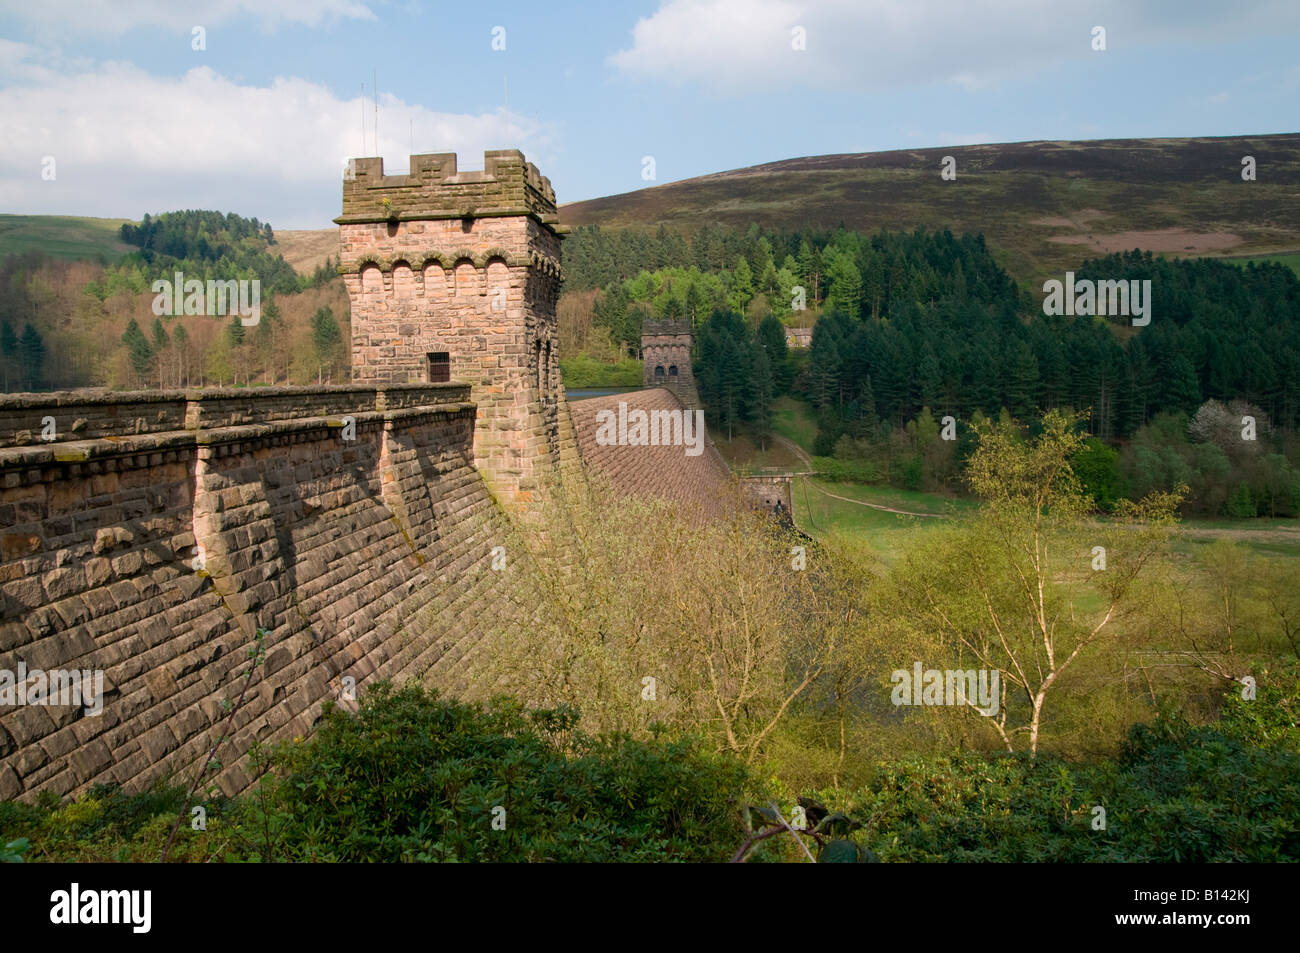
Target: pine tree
pixel 824 369
pixel 761 397
pixel 742 287
pixel 32 350
pixel 182 339
pixel 810 270
pixel 8 349
pixel 1182 390
pixel 139 353
pixel 160 344
pixel 1020 377
pixel 845 292
pixel 868 421
pixel 771 338
pixel 326 339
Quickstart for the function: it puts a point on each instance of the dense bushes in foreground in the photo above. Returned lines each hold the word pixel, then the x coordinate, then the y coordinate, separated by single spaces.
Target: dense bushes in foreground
pixel 412 777
pixel 415 778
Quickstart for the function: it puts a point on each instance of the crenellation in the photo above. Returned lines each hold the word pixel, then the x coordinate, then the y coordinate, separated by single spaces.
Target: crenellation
pixel 469 295
pixel 433 189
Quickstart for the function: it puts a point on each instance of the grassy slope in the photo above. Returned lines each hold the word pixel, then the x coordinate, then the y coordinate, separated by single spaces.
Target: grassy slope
pixel 793 419
pixel 66 236
pixel 62 236
pixel 1292 261
pixel 1042 206
pixel 307 249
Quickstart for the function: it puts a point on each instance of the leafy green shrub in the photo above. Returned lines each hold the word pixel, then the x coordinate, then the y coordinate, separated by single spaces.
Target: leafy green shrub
pixel 107 824
pixel 1097 467
pixel 910 472
pixel 847 471
pixel 412 777
pixel 1241 504
pixel 1178 793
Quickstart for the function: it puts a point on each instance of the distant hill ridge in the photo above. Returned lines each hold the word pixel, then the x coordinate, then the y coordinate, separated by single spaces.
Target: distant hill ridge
pixel 1043 206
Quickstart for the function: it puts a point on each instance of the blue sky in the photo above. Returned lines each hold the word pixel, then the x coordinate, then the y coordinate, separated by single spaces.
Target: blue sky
pixel 261 121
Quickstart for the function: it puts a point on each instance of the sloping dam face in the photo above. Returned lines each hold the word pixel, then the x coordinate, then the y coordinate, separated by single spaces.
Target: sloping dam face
pixel 146 538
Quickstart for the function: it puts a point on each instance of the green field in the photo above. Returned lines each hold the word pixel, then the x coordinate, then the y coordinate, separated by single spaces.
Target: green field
pixel 62 236
pixel 1291 260
pixel 817 512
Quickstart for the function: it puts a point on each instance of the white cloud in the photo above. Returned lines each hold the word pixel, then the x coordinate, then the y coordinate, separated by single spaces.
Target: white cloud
pixel 1219 98
pixel 126 142
pixel 694 39
pixel 734 46
pixel 115 17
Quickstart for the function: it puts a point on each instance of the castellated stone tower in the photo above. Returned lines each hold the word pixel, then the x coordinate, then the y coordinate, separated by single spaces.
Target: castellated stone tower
pixel 666 358
pixel 454 276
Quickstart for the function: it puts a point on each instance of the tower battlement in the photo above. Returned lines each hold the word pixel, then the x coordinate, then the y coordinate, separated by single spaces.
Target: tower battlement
pixel 666 358
pixel 654 327
pixel 434 189
pixel 454 276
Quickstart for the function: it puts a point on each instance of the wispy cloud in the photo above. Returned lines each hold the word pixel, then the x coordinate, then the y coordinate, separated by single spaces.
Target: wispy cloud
pixel 125 141
pixel 739 46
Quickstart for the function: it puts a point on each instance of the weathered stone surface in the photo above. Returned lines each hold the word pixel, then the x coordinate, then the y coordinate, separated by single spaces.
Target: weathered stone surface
pixel 10 786
pixel 187 522
pixel 173 640
pixel 458 273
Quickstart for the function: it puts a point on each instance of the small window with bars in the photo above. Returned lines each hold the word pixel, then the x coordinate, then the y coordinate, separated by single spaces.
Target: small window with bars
pixel 439 367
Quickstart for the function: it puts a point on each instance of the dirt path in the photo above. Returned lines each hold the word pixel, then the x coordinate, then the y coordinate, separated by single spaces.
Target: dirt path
pixel 878 506
pixel 1271 534
pixel 807 461
pixel 793 448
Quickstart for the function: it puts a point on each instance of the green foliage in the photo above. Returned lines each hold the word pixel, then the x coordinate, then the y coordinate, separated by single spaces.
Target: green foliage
pixel 1272 717
pixel 847 471
pixel 208 244
pixel 108 824
pixel 584 371
pixel 734 374
pixel 1176 795
pixel 138 349
pixel 909 472
pixel 1097 467
pixel 1226 475
pixel 412 777
pixel 326 338
pixel 31 348
pixel 771 338
pixel 845 852
pixel 1241 504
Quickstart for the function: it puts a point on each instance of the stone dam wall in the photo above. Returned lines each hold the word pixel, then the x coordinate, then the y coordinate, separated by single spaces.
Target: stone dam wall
pixel 158 532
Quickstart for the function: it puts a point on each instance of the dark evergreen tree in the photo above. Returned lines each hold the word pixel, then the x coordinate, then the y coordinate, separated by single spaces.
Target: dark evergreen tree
pixel 139 353
pixel 32 351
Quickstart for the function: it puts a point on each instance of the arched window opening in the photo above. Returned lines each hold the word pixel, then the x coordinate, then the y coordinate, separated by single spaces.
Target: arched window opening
pixel 659 371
